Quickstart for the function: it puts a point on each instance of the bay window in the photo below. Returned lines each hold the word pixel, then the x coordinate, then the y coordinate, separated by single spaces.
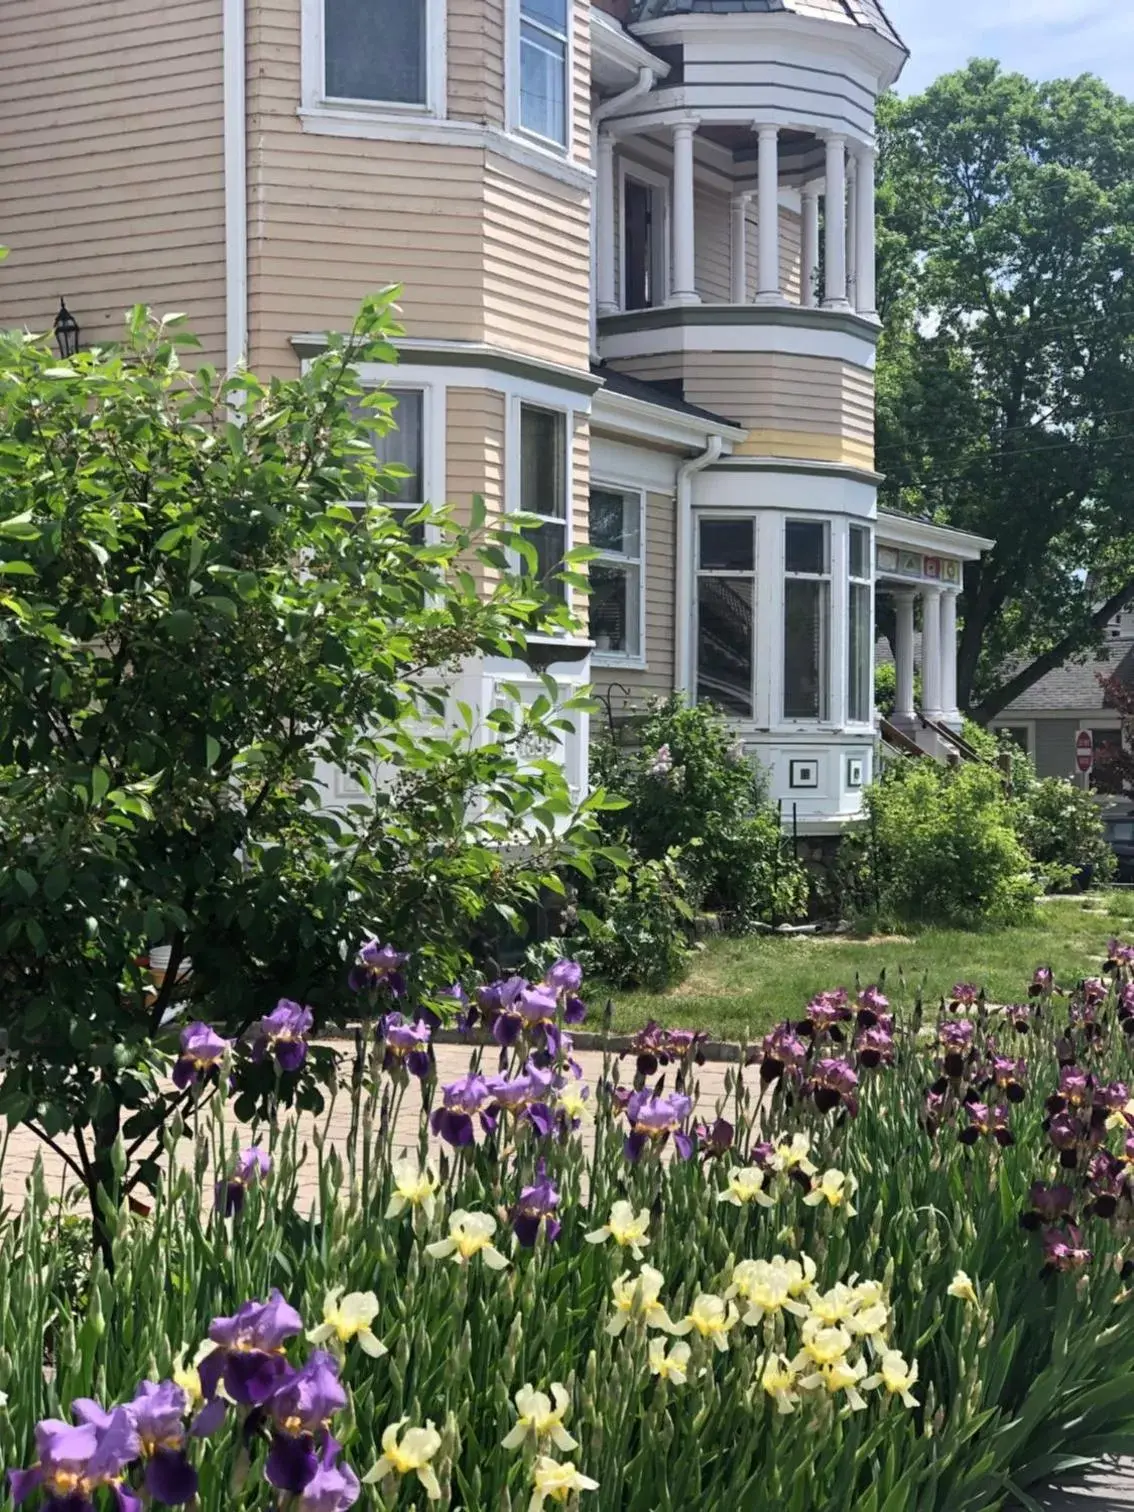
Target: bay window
pixel 543 63
pixel 860 694
pixel 376 51
pixel 726 613
pixel 616 573
pixel 402 446
pixel 807 601
pixel 543 489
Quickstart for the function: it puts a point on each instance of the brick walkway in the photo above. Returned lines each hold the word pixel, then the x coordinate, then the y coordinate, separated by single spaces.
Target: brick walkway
pixel 1109 1489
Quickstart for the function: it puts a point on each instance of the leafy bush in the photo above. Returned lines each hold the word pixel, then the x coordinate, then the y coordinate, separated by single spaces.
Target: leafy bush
pixel 640 927
pixel 1061 826
pixel 941 846
pixel 690 788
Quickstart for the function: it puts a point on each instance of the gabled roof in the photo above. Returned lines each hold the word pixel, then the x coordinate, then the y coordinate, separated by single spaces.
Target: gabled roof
pixel 1076 685
pixel 865 13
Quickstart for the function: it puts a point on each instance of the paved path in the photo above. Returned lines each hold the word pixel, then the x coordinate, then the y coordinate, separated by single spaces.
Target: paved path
pixel 1109 1489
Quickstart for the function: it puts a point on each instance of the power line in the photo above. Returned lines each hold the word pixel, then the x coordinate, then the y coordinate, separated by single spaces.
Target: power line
pixel 1023 451
pixel 957 477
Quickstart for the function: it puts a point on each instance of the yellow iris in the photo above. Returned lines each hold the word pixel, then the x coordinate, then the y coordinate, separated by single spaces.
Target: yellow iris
pixel 349 1317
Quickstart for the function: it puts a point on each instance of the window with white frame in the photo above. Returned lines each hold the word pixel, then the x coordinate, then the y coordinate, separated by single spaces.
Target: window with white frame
pixel 860 628
pixel 616 573
pixel 377 52
pixel 402 446
pixel 543 489
pixel 726 613
pixel 544 62
pixel 807 613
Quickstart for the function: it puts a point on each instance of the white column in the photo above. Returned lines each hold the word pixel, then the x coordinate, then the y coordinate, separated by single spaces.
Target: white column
pixel 835 218
pixel 768 218
pixel 867 297
pixel 606 281
pixel 684 244
pixel 809 271
pixel 931 652
pixel 949 657
pixel 852 227
pixel 904 655
pixel 740 249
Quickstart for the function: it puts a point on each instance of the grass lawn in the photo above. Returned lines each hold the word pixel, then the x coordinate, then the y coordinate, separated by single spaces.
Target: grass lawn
pixel 743 986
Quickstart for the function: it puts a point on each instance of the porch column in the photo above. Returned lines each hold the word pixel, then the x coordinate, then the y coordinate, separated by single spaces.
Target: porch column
pixel 809 270
pixel 949 657
pixel 866 293
pixel 931 652
pixel 740 249
pixel 684 261
pixel 835 218
pixel 605 279
pixel 768 218
pixel 904 655
pixel 852 228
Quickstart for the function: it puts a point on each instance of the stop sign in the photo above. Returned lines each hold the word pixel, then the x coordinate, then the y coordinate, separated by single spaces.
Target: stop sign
pixel 1084 750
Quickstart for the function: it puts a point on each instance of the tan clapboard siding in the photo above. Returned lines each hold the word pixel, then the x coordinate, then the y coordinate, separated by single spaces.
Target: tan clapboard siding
pixel 581 483
pixel 112 164
pixel 791 255
pixel 581 82
pixel 476 60
pixel 656 680
pixel 712 211
pixel 475 421
pixel 536 265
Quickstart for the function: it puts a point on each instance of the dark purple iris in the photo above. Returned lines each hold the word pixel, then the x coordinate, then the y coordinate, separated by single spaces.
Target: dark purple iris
pixel 461 1100
pixel 333 1487
pixel 1063 1250
pixel 1093 991
pixel 72 1463
pixel 834 1083
pixel 934 1111
pixel 526 1097
pixel 1020 1016
pixel 499 1004
pixel 407 1045
pixel 656 1046
pixel 252 1165
pixel 537 1205
pixel 872 1000
pixel 159 1412
pixel 1119 955
pixel 1043 982
pixel 301 1410
pixel 986 1123
pixel 653 1117
pixel 378 967
pixel 965 995
pixel 1010 1076
pixel 874 1046
pixel 783 1050
pixel 1047 1205
pixel 249 1356
pixel 956 1036
pixel 283 1033
pixel 1106 1183
pixel 202 1050
pixel 715 1138
pixel 825 1011
pixel 1113 1096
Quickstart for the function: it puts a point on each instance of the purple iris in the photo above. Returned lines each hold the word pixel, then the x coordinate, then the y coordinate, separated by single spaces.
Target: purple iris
pixel 1047 1204
pixel 466 1010
pixel 283 1033
pixel 833 1082
pixel 159 1411
pixel 537 1204
pixel 73 1462
pixel 956 1036
pixel 965 995
pixel 252 1165
pixel 653 1118
pixel 574 1010
pixel 565 976
pixel 825 1011
pixel 202 1050
pixel 1010 1075
pixel 1063 1250
pixel 1043 982
pixel 1093 990
pixel 1113 1096
pixel 716 1138
pixel 537 1005
pixel 986 1123
pixel 378 966
pixel 407 1044
pixel 249 1356
pixel 525 1096
pixel 783 1050
pixel 499 1004
pixel 1106 1182
pixel 301 1411
pixel 333 1487
pixel 460 1100
pixel 874 1046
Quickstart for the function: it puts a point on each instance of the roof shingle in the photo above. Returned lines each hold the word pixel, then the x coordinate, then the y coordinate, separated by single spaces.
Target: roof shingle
pixel 866 13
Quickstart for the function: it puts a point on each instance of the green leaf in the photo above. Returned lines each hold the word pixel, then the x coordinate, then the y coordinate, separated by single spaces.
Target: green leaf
pixel 17 569
pixel 181 625
pixel 100 785
pixel 212 751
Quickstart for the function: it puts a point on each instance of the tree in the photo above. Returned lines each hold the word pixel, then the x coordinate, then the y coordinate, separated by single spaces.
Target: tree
pixel 194 616
pixel 1006 372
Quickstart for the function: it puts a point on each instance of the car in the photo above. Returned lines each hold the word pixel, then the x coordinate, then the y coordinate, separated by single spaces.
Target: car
pixel 1119 831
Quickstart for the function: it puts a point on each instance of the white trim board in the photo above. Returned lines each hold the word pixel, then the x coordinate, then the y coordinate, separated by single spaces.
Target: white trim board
pixel 313 76
pixel 755 340
pixel 614 660
pixel 235 184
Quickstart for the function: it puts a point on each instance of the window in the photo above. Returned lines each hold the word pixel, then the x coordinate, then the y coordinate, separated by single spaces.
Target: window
pixel 543 68
pixel 543 488
pixel 860 694
pixel 643 244
pixel 1019 735
pixel 376 51
pixel 726 619
pixel 616 574
pixel 807 599
pixel 403 445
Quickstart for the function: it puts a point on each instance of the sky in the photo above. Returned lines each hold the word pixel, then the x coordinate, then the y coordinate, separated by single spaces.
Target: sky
pixel 1042 38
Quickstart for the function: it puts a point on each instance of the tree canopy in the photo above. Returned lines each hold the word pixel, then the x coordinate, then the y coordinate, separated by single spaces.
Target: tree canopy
pixel 1006 370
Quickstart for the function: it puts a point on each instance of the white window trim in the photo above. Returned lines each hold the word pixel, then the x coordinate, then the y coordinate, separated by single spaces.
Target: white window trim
pixel 630 168
pixel 512 500
pixel 796 721
pixel 750 516
pixel 433 420
pixel 512 84
pixel 867 581
pixel 627 661
pixel 316 103
pixel 999 726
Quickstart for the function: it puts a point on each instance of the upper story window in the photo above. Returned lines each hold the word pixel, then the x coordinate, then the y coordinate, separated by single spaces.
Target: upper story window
pixel 860 608
pixel 544 57
pixel 645 217
pixel 807 614
pixel 374 57
pixel 726 613
pixel 616 574
pixel 543 489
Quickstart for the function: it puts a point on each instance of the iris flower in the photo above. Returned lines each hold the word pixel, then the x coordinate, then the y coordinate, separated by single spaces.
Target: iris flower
pixel 986 1123
pixel 408 1455
pixel 537 1204
pixel 962 1288
pixel 838 1374
pixel 346 1318
pixel 771 1286
pixel 1063 1250
pixel 470 1234
pixel 792 1156
pixel 538 1420
pixel 896 1376
pixel 558 1479
pixel 460 1101
pixel 782 1050
pixel 711 1317
pixel 378 966
pixel 835 1188
pixel 252 1166
pixel 73 1462
pixel 407 1045
pixel 780 1380
pixel 333 1487
pixel 628 1229
pixel 249 1354
pixel 202 1050
pixel 638 1297
pixel 673 1366
pixel 653 1118
pixel 301 1409
pixel 571 1101
pixel 283 1034
pixel 745 1186
pixel 415 1188
pixel 833 1083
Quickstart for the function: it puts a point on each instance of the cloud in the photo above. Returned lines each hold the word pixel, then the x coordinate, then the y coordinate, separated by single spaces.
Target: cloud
pixel 1042 38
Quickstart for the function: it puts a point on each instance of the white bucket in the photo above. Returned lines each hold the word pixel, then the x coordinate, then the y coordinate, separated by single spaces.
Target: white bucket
pixel 159 965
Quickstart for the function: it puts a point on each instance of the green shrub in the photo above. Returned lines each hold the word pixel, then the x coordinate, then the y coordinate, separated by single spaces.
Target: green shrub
pixel 690 787
pixel 1061 826
pixel 942 846
pixel 641 937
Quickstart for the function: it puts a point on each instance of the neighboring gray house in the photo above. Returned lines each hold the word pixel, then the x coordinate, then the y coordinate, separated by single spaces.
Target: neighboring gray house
pixel 1046 719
